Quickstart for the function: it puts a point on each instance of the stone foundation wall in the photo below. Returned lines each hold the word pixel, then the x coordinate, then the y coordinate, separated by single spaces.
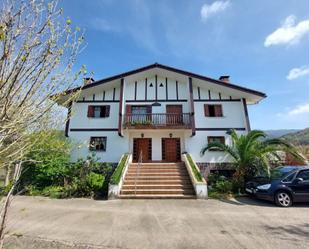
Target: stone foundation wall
pixel 205 168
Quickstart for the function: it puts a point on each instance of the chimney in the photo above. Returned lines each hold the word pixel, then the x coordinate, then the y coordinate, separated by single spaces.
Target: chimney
pixel 225 78
pixel 88 81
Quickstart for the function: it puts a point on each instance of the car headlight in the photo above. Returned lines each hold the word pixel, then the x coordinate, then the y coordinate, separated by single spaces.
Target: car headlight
pixel 264 187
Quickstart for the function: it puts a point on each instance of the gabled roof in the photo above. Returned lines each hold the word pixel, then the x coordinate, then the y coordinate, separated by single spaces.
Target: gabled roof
pixel 172 69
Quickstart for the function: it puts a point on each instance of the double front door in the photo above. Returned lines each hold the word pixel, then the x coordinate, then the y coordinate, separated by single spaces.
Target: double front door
pixel 142 149
pixel 170 149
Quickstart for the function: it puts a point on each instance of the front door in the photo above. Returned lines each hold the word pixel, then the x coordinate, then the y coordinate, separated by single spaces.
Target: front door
pixel 171 149
pixel 174 114
pixel 142 146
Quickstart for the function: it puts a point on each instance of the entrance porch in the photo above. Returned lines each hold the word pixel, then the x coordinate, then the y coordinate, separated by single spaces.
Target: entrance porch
pixel 158 145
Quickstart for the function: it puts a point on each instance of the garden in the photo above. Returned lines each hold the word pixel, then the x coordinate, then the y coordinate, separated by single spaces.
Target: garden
pixel 47 170
pixel 251 155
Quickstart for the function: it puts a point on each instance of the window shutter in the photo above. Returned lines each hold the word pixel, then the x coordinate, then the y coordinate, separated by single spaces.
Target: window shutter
pixel 206 110
pixel 128 109
pixel 149 109
pixel 90 113
pixel 105 110
pixel 218 110
pixel 222 140
pixel 128 113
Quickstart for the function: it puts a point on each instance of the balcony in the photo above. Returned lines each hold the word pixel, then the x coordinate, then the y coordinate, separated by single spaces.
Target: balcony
pixel 158 121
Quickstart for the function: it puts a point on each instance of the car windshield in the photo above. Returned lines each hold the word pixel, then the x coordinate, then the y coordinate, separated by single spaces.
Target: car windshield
pixel 280 172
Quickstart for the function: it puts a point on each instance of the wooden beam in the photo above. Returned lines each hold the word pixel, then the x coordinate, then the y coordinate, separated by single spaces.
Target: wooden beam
pixel 120 108
pixel 67 123
pixel 244 101
pixel 192 106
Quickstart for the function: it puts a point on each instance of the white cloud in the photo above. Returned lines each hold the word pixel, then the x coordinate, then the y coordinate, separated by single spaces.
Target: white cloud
pixel 298 72
pixel 300 109
pixel 102 25
pixel 289 33
pixel 214 8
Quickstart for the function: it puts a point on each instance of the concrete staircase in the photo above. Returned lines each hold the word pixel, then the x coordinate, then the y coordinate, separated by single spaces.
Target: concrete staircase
pixel 157 180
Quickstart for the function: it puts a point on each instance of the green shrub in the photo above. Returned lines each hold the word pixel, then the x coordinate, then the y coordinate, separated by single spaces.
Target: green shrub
pixel 196 173
pixel 54 191
pixel 119 170
pixel 95 181
pixel 219 185
pixel 50 172
pixel 224 186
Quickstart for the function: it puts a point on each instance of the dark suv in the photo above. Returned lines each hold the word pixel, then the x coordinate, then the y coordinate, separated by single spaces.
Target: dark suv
pixel 286 184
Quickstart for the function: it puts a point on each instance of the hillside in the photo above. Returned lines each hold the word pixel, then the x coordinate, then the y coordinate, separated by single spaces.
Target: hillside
pixel 279 133
pixel 298 138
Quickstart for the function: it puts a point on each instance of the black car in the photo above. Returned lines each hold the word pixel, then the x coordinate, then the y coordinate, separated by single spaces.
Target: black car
pixel 286 184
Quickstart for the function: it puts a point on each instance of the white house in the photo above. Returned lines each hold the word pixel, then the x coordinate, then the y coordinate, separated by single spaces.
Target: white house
pixel 160 111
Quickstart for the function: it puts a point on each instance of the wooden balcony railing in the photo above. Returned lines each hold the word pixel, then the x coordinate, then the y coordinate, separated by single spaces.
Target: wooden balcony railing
pixel 158 120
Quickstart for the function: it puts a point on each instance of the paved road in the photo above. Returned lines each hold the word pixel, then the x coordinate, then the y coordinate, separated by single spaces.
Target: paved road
pixel 82 223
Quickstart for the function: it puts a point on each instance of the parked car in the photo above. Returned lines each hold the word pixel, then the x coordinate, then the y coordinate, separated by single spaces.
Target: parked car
pixel 286 184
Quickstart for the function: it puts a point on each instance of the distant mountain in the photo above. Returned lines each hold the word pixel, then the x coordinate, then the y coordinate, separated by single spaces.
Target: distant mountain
pixel 279 133
pixel 299 137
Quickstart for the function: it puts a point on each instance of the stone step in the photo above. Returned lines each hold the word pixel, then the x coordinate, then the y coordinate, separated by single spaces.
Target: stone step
pixel 157 164
pixel 157 167
pixel 156 186
pixel 157 177
pixel 158 182
pixel 135 171
pixel 159 196
pixel 140 174
pixel 157 191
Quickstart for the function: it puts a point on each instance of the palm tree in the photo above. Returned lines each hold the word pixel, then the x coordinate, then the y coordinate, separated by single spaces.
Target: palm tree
pixel 252 153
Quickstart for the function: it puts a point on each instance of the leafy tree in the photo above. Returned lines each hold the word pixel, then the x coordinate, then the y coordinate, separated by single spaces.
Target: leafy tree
pixel 252 153
pixel 48 161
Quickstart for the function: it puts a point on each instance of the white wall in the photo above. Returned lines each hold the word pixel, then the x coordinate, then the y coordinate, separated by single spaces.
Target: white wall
pixel 161 91
pixel 233 115
pixel 193 145
pixel 115 145
pixel 79 117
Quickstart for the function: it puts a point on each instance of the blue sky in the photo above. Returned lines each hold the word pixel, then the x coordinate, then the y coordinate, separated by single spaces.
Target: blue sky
pixel 261 44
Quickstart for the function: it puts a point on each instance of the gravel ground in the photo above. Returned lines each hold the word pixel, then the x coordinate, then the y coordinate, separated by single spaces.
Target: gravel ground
pixel 36 222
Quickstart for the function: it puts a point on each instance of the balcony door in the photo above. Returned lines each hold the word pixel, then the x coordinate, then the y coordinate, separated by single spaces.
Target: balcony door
pixel 141 114
pixel 174 115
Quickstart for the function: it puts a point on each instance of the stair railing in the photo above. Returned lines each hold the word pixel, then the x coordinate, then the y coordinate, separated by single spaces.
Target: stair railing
pixel 140 160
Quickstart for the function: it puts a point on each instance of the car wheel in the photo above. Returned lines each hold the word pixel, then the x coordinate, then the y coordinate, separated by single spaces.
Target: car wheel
pixel 283 199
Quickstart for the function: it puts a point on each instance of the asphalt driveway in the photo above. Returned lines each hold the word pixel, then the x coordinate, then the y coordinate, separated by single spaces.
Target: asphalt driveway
pixel 81 223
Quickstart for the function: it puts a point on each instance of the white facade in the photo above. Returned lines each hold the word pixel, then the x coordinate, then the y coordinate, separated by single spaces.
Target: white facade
pixel 166 87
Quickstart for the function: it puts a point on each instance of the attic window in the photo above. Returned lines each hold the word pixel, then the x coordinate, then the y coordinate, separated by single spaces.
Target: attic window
pixel 161 84
pixel 151 85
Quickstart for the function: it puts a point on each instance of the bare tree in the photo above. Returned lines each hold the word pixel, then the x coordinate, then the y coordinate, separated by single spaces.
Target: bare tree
pixel 38 48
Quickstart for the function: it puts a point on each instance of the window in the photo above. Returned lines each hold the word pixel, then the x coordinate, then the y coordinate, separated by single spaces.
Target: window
pixel 98 111
pixel 289 178
pixel 97 143
pixel 213 110
pixel 139 110
pixel 304 174
pixel 216 139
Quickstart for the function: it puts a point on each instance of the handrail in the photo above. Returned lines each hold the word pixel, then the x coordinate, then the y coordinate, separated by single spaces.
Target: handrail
pixel 158 119
pixel 140 160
